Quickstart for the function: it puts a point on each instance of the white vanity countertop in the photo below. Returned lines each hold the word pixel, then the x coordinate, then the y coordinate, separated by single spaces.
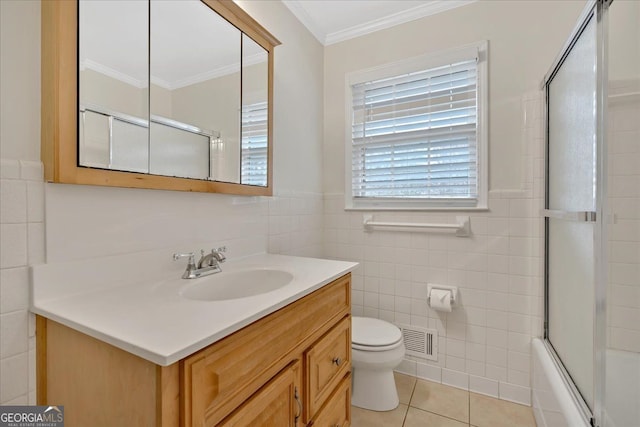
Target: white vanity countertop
pixel 143 313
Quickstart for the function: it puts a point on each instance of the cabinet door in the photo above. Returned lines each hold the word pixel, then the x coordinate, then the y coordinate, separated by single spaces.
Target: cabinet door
pixel 337 411
pixel 276 404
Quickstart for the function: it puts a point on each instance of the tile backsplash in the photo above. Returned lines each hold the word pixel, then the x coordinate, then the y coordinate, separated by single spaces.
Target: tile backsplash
pixel 22 229
pixel 88 222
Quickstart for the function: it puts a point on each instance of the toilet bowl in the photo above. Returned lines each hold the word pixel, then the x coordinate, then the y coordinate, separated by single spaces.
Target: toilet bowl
pixel 376 349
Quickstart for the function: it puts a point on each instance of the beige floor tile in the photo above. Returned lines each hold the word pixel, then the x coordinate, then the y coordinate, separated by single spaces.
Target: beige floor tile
pixel 441 399
pixel 489 412
pixel 363 418
pixel 419 418
pixel 405 385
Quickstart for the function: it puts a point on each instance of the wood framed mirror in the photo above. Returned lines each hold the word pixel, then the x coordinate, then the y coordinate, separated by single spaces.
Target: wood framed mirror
pixel 181 99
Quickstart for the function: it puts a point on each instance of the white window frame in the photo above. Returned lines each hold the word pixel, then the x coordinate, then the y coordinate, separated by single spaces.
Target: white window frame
pixel 478 50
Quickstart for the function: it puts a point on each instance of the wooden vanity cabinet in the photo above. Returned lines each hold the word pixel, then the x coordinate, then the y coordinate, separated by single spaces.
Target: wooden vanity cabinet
pixel 290 368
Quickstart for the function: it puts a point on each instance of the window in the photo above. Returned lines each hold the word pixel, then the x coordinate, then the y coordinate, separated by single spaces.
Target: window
pixel 418 133
pixel 254 144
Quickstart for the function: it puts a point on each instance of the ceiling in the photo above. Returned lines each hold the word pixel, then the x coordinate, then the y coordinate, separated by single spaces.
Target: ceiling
pixel 333 21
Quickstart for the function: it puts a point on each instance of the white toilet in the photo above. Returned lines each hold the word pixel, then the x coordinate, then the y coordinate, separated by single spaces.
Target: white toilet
pixel 377 348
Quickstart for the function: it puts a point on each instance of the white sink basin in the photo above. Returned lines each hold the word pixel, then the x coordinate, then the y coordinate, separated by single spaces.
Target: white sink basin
pixel 236 284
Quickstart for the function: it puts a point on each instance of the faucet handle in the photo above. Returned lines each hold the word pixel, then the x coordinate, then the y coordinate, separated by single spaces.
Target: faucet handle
pixel 219 254
pixel 192 258
pixel 190 272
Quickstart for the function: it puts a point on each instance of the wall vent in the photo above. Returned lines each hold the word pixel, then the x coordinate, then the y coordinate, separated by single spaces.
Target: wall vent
pixel 420 342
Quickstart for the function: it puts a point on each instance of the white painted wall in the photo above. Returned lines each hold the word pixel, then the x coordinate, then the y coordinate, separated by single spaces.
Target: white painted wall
pixel 105 91
pixel 20 78
pixel 298 94
pixel 524 38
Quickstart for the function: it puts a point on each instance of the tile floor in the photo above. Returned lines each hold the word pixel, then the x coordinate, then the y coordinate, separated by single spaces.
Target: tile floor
pixel 428 404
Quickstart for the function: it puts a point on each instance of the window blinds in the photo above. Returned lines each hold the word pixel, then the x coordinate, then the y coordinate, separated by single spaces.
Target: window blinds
pixel 415 135
pixel 254 144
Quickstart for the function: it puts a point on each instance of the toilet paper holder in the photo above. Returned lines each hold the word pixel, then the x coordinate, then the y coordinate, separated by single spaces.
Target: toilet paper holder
pixel 453 289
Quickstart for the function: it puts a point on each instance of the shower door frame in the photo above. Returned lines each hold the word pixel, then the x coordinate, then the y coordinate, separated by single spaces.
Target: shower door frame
pixel 598 10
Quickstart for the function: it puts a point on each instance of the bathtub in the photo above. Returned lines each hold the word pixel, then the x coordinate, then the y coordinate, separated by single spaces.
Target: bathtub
pixel 554 405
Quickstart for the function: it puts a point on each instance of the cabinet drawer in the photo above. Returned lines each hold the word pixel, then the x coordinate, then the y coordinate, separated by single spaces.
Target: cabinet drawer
pixel 337 411
pixel 221 377
pixel 327 362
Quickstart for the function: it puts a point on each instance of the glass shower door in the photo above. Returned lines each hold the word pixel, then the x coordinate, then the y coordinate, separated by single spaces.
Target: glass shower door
pixel 570 209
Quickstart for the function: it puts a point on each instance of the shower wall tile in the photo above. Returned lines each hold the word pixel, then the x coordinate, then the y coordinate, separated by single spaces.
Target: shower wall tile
pixel 623 299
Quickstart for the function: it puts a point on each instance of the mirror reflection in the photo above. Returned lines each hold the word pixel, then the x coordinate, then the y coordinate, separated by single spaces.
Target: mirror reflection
pixel 255 86
pixel 171 88
pixel 114 85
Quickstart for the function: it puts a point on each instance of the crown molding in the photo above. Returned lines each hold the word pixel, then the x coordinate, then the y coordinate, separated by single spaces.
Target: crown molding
pixel 301 13
pixel 113 73
pixel 426 9
pixel 197 78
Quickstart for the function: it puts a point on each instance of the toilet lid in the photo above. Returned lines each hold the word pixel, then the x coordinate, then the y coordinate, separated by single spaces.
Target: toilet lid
pixel 366 331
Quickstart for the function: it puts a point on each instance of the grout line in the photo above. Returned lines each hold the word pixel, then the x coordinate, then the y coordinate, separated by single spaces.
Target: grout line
pixel 413 390
pixel 469 400
pixel 436 413
pixel 441 415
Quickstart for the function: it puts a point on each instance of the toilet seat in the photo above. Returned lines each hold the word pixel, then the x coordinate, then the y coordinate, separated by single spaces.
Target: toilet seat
pixel 368 334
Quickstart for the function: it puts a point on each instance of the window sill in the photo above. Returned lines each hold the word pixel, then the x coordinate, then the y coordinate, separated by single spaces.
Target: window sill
pixel 416 205
pixel 416 209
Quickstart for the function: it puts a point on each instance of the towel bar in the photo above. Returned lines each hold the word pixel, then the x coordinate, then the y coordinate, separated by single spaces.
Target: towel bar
pixel 462 227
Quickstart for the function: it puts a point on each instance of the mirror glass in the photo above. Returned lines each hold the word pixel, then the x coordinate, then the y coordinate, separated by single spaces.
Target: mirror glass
pixel 169 87
pixel 195 82
pixel 255 96
pixel 114 85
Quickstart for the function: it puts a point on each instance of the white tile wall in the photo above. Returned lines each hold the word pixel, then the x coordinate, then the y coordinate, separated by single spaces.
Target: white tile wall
pixel 295 224
pixel 86 222
pixel 288 223
pixel 22 244
pixel 623 311
pixel 484 343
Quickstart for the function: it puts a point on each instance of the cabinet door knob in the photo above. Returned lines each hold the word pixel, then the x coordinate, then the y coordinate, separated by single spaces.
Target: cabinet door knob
pixel 337 361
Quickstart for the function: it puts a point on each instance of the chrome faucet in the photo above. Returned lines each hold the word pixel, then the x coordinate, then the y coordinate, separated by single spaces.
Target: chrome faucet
pixel 212 259
pixel 208 264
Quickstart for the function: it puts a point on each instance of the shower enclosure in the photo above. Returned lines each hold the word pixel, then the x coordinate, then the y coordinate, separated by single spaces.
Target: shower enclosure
pixel 592 218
